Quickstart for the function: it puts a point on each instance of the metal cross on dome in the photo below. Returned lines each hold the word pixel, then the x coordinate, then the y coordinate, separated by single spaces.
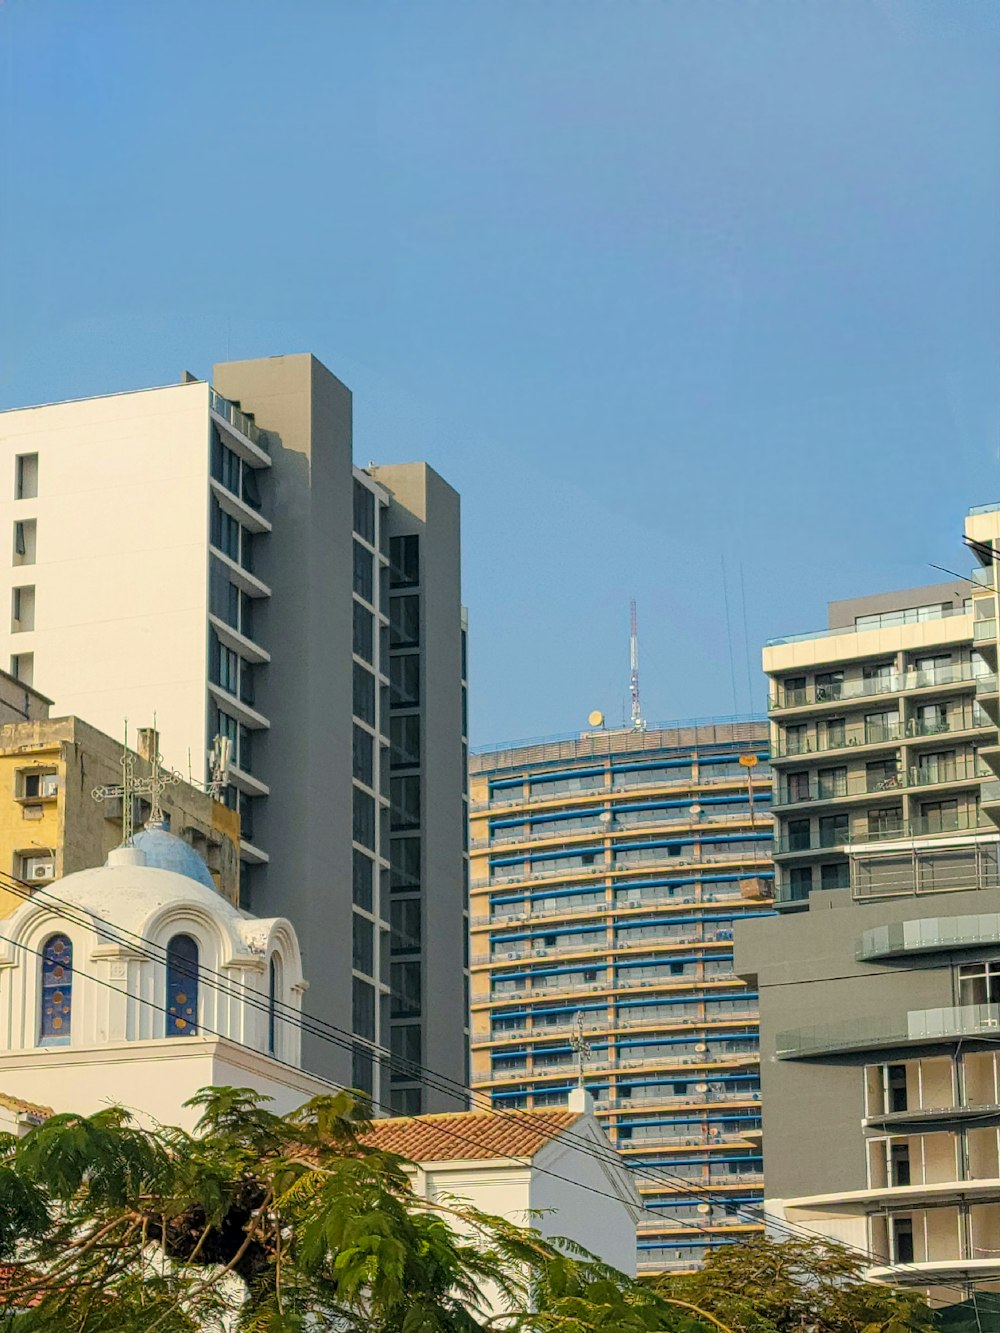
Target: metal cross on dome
pixel 130 787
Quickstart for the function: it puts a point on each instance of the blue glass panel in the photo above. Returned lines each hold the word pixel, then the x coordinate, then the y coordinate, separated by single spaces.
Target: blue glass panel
pixel 182 987
pixel 57 991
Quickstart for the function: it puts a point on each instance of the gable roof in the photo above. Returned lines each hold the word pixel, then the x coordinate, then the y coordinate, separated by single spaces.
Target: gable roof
pixel 469 1135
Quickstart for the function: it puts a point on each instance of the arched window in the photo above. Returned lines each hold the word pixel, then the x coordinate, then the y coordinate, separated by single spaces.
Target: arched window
pixel 273 1000
pixel 57 991
pixel 182 987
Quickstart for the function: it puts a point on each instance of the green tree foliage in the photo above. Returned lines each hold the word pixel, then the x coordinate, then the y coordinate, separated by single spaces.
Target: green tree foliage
pixel 266 1224
pixel 797 1286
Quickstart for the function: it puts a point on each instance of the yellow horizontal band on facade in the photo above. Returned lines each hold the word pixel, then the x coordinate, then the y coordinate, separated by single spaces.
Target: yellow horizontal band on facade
pixel 539 1076
pixel 601 796
pixel 604 953
pixel 486 1044
pixel 485 1004
pixel 625 910
pixel 587 877
pixel 585 838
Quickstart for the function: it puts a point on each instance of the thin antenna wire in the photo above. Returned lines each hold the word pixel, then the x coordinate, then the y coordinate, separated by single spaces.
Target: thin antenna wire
pixel 746 641
pixel 729 635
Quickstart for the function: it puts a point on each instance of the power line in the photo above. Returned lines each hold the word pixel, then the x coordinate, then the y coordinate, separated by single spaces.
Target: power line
pixel 349 1042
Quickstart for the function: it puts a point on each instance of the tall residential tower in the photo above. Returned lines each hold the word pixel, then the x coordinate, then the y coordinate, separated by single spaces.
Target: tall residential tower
pixel 608 871
pixel 208 552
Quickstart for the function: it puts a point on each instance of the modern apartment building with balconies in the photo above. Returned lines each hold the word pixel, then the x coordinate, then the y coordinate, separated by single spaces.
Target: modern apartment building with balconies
pixel 209 554
pixel 879 978
pixel 608 870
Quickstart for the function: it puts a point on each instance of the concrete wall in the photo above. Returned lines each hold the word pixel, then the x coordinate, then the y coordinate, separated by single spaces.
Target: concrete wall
pixel 842 614
pixel 121 558
pixel 306 690
pixel 807 974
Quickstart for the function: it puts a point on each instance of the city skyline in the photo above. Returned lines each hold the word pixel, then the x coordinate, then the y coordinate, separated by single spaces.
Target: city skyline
pixel 658 288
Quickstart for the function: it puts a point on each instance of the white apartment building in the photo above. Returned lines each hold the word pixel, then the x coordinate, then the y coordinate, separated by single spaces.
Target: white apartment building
pixel 209 553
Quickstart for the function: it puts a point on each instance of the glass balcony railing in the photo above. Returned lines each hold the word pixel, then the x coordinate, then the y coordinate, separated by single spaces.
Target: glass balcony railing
pixel 875 1032
pixel 985 509
pixel 984 631
pixel 793 744
pixel 929 934
pixel 231 413
pixel 984 577
pixel 799 790
pixel 890 619
pixel 846 690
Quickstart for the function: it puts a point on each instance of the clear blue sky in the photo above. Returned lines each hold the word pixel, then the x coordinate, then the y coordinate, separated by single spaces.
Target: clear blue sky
pixel 653 283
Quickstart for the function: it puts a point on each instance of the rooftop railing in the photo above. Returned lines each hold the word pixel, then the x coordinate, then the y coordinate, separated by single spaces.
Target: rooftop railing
pixel 889 620
pixel 240 420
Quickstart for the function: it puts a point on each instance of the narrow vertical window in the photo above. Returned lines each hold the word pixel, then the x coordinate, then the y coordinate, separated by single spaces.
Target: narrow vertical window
pixel 273 992
pixel 182 987
pixel 57 991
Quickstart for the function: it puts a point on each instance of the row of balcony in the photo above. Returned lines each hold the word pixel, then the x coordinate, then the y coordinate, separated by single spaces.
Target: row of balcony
pixel 630 785
pixel 889 732
pixel 886 830
pixel 702 1096
pixel 845 691
pixel 601 946
pixel 621 983
pixel 692 856
pixel 719 1017
pixel 627 905
pixel 798 789
pixel 879 1032
pixel 606 824
pixel 704 1060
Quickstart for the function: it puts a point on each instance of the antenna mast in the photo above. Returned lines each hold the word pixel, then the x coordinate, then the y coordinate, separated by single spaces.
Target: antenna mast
pixel 637 722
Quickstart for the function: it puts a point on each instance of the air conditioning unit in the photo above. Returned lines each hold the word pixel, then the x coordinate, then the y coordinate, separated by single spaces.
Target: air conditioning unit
pixel 541 953
pixel 511 955
pixel 39 868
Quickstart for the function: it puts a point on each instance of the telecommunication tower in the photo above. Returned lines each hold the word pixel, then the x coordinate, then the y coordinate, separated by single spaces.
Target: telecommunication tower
pixel 637 722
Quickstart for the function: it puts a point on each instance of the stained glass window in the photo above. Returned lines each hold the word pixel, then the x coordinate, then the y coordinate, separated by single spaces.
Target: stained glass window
pixel 182 987
pixel 57 991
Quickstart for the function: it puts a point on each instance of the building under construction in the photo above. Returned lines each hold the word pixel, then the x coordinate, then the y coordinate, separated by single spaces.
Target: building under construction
pixel 608 869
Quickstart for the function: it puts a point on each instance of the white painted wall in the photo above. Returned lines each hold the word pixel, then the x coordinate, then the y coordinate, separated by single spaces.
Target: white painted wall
pixel 121 585
pixel 151 1078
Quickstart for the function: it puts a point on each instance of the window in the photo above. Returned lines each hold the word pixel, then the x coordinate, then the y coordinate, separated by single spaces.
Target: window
pixel 404 562
pixel 405 988
pixel 224 665
pixel 22 609
pixel 799 882
pixel 404 919
pixel 410 1101
pixel 979 983
pixel 404 864
pixel 182 987
pixel 829 686
pixel 902 1240
pixel 833 831
pixel 404 621
pixel 22 667
pixel 882 775
pixel 931 719
pixel 404 741
pixel 364 819
pixel 939 816
pixel 835 875
pixel 274 989
pixel 798 835
pixel 25 476
pixel 404 680
pixel 57 991
pixel 363 1008
pixel 24 541
pixel 364 513
pixel 405 1043
pixel 363 880
pixel 364 694
pixel 362 1069
pixel 225 464
pixel 364 625
pixel 882 676
pixel 33 785
pixel 362 754
pixel 881 727
pixel 833 734
pixel 936 766
pixel 885 823
pixel 896 1087
pixel 225 531
pixel 363 951
pixel 795 739
pixel 364 582
pixel 795 690
pixel 405 802
pixel 798 786
pixel 831 782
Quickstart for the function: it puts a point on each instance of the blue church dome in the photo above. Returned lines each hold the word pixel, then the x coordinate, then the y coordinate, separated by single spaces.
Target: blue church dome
pixel 165 851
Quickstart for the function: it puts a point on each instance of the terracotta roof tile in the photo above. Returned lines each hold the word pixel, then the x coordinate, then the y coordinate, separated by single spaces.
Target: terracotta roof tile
pixel 469 1135
pixel 28 1108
